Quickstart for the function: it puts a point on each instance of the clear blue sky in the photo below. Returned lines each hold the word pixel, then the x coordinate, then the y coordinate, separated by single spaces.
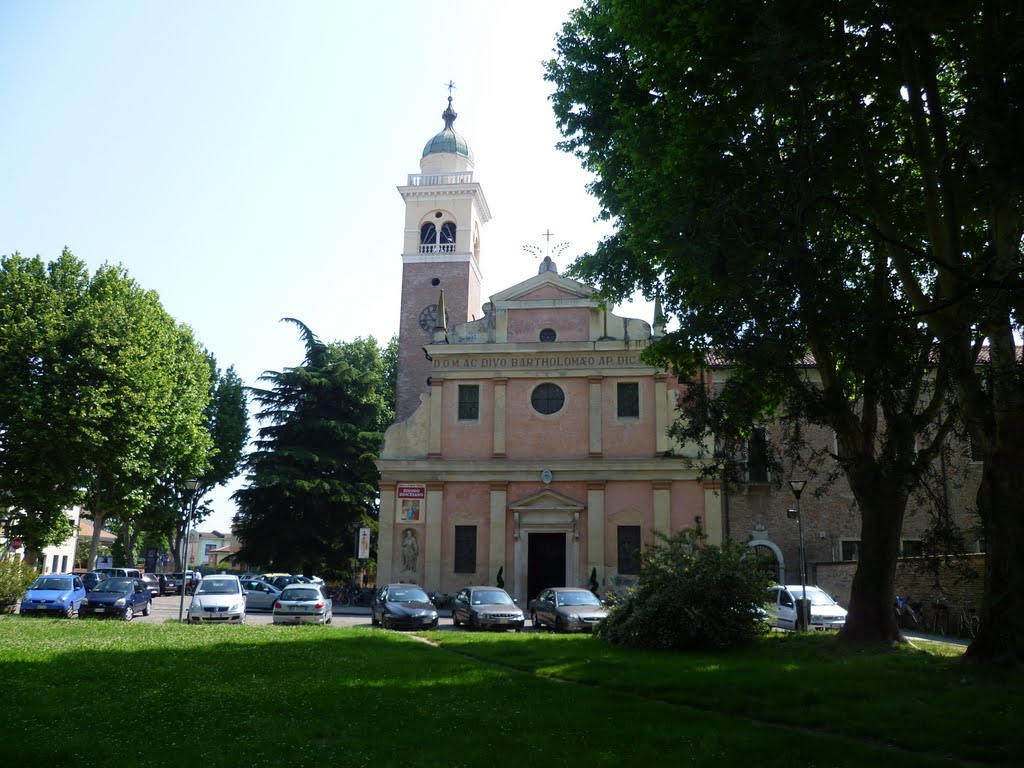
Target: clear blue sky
pixel 241 158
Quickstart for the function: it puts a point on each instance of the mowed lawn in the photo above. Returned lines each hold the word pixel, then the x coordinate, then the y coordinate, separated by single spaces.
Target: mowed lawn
pixel 106 693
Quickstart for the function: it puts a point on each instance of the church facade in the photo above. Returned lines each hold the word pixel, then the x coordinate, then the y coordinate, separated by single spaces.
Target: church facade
pixel 531 444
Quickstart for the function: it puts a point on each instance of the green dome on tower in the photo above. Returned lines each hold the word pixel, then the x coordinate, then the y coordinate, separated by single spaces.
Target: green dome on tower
pixel 448 140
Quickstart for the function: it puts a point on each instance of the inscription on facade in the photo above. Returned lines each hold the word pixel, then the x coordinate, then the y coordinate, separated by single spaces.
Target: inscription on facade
pixel 625 360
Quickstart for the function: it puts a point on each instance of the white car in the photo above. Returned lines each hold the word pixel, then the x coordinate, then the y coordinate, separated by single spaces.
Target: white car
pixel 218 599
pixel 826 613
pixel 303 604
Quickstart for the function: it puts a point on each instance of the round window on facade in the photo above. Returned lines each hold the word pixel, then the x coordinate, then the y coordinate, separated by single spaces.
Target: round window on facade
pixel 548 334
pixel 547 399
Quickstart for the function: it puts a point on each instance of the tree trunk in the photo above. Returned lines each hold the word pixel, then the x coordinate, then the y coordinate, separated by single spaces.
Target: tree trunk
pixel 871 618
pixel 1001 635
pixel 99 517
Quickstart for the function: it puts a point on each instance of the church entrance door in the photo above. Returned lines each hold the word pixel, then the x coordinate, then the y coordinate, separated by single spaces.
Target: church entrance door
pixel 546 563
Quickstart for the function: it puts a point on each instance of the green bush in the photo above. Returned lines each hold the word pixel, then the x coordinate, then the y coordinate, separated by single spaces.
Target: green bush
pixel 15 578
pixel 691 595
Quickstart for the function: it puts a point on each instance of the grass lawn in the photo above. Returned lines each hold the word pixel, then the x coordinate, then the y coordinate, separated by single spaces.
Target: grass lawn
pixel 92 693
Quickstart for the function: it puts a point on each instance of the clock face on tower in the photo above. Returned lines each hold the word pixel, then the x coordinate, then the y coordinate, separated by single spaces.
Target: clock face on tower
pixel 428 318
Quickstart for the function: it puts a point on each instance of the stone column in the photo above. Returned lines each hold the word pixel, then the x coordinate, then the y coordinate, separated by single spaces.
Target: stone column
pixel 661 414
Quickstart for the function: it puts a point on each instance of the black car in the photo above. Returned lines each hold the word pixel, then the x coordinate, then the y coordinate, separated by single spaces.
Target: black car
pixel 117 597
pixel 403 605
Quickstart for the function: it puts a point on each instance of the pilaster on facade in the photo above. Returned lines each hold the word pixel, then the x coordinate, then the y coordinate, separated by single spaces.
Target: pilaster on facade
pixel 662 501
pixel 713 523
pixel 436 414
pixel 386 532
pixel 433 535
pixel 595 448
pixel 595 530
pixel 498 525
pixel 661 414
pixel 500 415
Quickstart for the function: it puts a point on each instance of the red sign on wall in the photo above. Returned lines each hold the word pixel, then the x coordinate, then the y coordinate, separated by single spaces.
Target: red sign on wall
pixel 410 503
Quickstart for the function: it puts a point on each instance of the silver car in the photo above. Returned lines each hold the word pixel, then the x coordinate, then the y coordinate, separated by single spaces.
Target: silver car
pixel 303 604
pixel 486 608
pixel 567 609
pixel 259 594
pixel 218 599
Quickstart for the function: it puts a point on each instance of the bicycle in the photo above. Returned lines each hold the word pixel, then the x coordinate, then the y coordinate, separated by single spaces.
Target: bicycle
pixel 940 616
pixel 908 613
pixel 967 623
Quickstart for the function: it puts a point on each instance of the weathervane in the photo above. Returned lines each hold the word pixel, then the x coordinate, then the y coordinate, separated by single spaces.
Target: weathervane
pixel 450 85
pixel 548 249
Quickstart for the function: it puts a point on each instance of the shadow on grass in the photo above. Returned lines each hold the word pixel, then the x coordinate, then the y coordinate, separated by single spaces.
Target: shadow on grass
pixel 86 693
pixel 916 701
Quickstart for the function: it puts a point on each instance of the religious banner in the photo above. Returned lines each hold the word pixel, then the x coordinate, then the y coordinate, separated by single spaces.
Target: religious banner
pixel 410 503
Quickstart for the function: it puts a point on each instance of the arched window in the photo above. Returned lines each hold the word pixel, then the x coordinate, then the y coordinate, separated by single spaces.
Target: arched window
pixel 433 240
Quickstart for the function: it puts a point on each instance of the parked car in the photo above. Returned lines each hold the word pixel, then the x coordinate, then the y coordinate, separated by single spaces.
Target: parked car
pixel 121 573
pixel 59 594
pixel 117 597
pixel 284 580
pixel 566 609
pixel 826 613
pixel 486 607
pixel 153 582
pixel 303 604
pixel 218 599
pixel 180 580
pixel 91 579
pixel 167 586
pixel 403 605
pixel 259 594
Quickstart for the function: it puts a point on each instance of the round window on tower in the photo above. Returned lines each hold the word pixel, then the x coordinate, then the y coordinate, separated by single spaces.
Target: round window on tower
pixel 548 335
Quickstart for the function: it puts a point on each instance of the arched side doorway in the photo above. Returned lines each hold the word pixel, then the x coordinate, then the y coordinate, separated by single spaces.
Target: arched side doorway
pixel 771 556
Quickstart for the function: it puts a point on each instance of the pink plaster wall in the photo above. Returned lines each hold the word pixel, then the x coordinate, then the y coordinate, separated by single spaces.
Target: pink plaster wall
pixel 686 505
pixel 465 504
pixel 627 503
pixel 467 439
pixel 569 323
pixel 627 437
pixel 560 435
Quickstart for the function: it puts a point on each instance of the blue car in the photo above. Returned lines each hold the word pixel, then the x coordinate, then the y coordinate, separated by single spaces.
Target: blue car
pixel 59 593
pixel 117 597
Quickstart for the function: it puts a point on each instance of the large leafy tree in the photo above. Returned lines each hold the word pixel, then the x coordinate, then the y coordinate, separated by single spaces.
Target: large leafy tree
pixel 39 474
pixel 103 391
pixel 227 422
pixel 311 478
pixel 844 180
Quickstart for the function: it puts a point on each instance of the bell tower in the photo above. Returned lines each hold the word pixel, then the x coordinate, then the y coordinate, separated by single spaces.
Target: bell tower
pixel 445 210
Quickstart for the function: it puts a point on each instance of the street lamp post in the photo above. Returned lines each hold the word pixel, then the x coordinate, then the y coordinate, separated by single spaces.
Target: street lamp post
pixel 797 486
pixel 193 488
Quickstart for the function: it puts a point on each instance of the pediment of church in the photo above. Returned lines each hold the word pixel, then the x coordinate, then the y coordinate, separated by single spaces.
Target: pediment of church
pixel 546 500
pixel 545 286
